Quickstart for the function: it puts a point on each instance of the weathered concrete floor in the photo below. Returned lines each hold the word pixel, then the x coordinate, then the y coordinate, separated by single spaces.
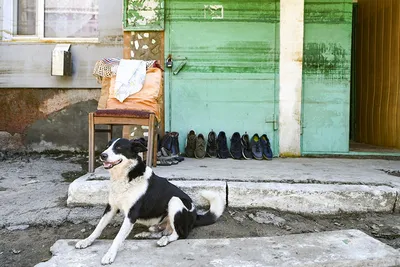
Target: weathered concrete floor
pixel 305 185
pixel 337 248
pixel 291 170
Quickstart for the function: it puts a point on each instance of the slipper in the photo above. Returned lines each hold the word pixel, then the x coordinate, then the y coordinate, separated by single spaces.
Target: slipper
pixel 163 162
pixel 178 158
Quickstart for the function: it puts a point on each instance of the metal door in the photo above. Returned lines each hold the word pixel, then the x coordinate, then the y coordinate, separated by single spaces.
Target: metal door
pixel 225 67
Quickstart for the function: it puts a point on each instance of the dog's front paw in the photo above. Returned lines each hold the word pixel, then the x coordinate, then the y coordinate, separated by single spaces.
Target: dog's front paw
pixel 163 241
pixel 109 257
pixel 83 243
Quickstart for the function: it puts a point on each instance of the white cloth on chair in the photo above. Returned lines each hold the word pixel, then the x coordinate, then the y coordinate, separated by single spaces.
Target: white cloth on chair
pixel 130 78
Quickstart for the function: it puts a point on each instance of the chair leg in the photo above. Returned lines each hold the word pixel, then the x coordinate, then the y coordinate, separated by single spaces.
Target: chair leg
pixel 155 145
pixel 150 141
pixel 109 134
pixel 91 143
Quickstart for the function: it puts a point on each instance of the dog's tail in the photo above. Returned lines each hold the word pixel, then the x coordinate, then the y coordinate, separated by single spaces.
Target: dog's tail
pixel 217 206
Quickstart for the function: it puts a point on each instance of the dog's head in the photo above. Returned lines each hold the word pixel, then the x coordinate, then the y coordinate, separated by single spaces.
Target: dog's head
pixel 120 150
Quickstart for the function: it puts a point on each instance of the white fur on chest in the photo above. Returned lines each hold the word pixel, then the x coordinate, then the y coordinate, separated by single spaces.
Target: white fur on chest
pixel 124 194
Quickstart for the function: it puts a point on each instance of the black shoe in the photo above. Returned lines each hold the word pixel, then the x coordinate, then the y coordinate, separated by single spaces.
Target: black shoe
pixel 200 151
pixel 246 148
pixel 266 147
pixel 211 149
pixel 236 147
pixel 190 144
pixel 222 146
pixel 166 144
pixel 175 143
pixel 256 147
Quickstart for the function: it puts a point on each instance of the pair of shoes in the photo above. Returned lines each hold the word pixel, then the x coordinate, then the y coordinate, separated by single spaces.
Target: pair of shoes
pixel 261 147
pixel 222 146
pixel 241 146
pixel 195 145
pixel 169 144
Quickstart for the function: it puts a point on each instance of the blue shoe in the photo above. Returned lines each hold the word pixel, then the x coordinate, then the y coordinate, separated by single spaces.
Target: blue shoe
pixel 266 147
pixel 256 147
pixel 236 147
pixel 175 143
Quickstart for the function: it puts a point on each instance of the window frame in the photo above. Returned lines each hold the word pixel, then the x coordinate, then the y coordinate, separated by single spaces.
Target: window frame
pixel 39 36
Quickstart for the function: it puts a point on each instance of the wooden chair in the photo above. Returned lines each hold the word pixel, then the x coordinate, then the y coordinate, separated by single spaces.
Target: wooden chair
pixel 126 117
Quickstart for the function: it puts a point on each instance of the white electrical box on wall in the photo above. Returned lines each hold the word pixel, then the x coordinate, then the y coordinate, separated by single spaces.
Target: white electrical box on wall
pixel 61 63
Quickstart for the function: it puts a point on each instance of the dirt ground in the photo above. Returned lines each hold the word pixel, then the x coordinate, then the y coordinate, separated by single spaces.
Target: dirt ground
pixel 29 246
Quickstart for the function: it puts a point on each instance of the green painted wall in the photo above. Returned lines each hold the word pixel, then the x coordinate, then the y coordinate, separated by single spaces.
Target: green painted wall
pixel 229 81
pixel 326 76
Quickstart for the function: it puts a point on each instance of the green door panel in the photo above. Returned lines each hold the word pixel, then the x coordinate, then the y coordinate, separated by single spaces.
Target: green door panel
pixel 326 76
pixel 229 81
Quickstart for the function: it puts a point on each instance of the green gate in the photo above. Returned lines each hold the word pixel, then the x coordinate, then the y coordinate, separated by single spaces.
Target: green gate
pixel 326 76
pixel 225 67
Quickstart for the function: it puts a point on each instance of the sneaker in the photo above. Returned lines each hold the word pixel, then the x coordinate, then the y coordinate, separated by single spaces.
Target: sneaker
pixel 200 151
pixel 175 143
pixel 222 146
pixel 236 147
pixel 266 147
pixel 190 144
pixel 256 147
pixel 246 148
pixel 212 145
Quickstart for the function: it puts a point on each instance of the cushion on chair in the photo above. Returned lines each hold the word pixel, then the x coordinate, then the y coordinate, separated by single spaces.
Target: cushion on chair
pixel 146 100
pixel 122 113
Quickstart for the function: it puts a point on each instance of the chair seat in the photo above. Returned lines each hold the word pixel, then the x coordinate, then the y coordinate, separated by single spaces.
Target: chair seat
pixel 122 113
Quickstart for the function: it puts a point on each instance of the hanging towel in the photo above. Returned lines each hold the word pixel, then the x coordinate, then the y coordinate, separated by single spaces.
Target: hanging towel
pixel 130 78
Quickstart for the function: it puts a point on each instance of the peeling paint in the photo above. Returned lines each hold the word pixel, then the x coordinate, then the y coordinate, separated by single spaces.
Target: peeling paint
pixel 67 98
pixel 144 13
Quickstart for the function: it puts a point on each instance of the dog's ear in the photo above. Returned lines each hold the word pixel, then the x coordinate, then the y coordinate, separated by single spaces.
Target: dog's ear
pixel 138 147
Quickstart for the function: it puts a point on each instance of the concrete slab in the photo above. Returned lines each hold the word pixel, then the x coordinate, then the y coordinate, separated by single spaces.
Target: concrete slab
pixel 313 198
pixel 86 191
pixel 290 170
pixel 338 248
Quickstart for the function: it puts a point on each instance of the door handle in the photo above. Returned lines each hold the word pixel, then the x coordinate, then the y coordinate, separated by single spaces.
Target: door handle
pixel 180 66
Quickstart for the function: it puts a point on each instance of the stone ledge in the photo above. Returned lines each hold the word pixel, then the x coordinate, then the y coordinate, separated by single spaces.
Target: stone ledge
pixel 312 198
pixel 85 191
pixel 334 249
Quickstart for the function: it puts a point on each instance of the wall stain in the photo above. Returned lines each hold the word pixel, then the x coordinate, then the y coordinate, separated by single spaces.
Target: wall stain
pixel 328 59
pixel 22 107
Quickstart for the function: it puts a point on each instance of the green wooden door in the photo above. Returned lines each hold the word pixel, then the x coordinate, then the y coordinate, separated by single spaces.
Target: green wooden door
pixel 326 76
pixel 224 75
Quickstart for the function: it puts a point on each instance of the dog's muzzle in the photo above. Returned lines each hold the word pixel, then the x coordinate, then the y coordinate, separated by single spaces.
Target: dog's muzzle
pixel 108 165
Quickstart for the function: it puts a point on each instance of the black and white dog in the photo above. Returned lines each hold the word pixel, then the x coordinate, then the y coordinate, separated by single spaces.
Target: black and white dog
pixel 148 199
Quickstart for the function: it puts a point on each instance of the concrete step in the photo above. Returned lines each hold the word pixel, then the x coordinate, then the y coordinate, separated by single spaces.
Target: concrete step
pixel 305 198
pixel 338 248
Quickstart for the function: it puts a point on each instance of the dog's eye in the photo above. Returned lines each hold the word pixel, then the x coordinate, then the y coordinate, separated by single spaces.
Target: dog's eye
pixel 118 147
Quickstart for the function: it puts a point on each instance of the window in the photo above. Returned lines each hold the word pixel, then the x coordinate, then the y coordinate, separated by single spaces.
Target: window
pixel 55 19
